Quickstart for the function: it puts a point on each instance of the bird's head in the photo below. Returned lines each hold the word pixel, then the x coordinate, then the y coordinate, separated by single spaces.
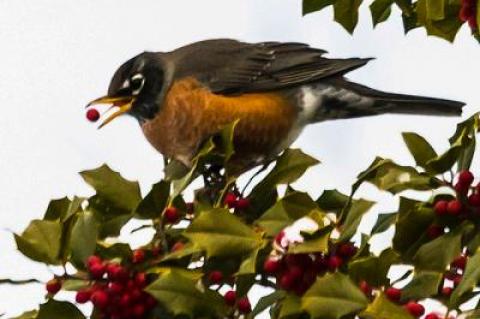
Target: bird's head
pixel 136 88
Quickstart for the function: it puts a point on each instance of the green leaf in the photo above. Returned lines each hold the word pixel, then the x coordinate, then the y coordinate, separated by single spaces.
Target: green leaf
pixel 435 9
pixel 113 187
pixel 346 13
pixel 381 307
pixel 310 6
pixel 333 296
pixel 83 239
pixel 420 149
pixel 380 10
pixel 41 241
pixel 155 202
pixel 373 269
pixel 290 166
pixel 59 310
pixel 317 244
pixel 332 200
pixel 445 28
pixel 354 215
pixel 32 314
pixel 405 6
pixel 424 284
pixel 286 211
pixel 220 233
pixel 187 250
pixel 227 140
pixel 465 136
pixel 184 295
pixel 114 251
pixel 291 307
pixel 110 217
pixel 469 279
pixel 248 265
pixel 267 301
pixel 384 221
pixel 57 208
pixel 437 254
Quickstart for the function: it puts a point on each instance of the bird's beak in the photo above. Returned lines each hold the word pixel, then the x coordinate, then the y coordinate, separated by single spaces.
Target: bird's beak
pixel 124 104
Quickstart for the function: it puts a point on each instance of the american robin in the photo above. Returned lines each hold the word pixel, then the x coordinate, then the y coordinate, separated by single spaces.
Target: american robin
pixel 183 97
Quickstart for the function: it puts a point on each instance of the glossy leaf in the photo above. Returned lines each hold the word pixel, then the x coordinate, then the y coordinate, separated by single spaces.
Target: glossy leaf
pixel 54 309
pixel 332 200
pixel 381 307
pixel 469 280
pixel 32 314
pixel 354 215
pixel 266 301
pixel 420 149
pixel 310 6
pixel 346 13
pixel 373 269
pixel 155 202
pixel 384 221
pixel 380 10
pixel 317 244
pixel 291 307
pixel 83 239
pixel 333 296
pixel 424 284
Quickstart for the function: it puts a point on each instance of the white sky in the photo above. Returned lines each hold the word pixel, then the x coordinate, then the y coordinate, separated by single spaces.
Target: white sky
pixel 57 55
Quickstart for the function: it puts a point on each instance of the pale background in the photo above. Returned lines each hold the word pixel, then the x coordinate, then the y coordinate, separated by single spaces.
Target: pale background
pixel 57 55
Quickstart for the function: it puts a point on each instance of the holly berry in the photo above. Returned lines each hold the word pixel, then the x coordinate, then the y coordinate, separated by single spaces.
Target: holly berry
pixel 243 305
pixel 465 177
pixel 432 316
pixel 287 281
pixel 460 262
pixel 415 309
pixel 393 294
pixel 93 115
pixel 172 215
pixel 230 297
pixel 141 279
pixel 177 246
pixel 138 310
pixel 457 280
pixel 100 299
pixel 447 291
pixel 82 296
pixel 271 265
pixel 334 262
pixel 365 288
pixel 242 203
pixel 53 286
pixel 347 250
pixel 434 231
pixel 138 256
pixel 441 207
pixel 92 260
pixel 474 200
pixel 215 277
pixel 454 207
pixel 230 200
pixel 97 270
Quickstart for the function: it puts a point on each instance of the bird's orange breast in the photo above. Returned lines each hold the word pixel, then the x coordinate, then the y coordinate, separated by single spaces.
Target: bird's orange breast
pixel 190 114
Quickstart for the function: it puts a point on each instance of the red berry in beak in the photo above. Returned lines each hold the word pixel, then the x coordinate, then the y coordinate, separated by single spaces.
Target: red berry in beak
pixel 93 115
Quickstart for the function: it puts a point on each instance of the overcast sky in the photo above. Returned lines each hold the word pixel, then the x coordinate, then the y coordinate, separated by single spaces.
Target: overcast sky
pixel 57 55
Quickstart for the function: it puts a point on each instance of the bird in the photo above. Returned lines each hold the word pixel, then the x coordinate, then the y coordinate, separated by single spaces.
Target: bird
pixel 273 90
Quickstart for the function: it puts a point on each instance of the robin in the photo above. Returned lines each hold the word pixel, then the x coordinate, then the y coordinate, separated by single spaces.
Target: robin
pixel 274 89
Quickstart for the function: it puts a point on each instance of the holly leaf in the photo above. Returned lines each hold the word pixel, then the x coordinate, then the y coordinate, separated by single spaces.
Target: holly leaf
pixel 248 265
pixel 428 14
pixel 373 269
pixel 219 233
pixel 155 202
pixel 332 200
pixel 266 302
pixel 41 241
pixel 354 215
pixel 185 295
pixel 291 307
pixel 318 243
pixel 333 296
pixel 469 279
pixel 187 250
pixel 83 238
pixel 424 284
pixel 32 314
pixel 384 221
pixel 381 307
pixel 437 254
pixel 346 13
pixel 420 149
pixel 113 187
pixel 435 9
pixel 380 10
pixel 54 309
pixel 286 211
pixel 310 6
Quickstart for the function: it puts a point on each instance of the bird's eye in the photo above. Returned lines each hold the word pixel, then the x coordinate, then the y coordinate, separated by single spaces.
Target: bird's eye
pixel 136 83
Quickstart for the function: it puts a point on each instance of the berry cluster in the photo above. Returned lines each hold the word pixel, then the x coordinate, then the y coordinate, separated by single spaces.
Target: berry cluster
pixel 242 304
pixel 413 307
pixel 468 13
pixel 297 272
pixel 454 275
pixel 116 291
pixel 233 200
pixel 466 203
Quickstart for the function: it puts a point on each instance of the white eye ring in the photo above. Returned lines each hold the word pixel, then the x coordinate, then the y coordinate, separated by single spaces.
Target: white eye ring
pixel 135 78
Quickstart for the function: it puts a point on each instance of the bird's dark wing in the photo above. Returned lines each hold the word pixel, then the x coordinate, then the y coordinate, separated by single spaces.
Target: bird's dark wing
pixel 232 67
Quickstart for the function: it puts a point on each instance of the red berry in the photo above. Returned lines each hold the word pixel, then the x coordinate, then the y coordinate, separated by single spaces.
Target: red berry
pixel 120 274
pixel 177 246
pixel 461 188
pixel 53 286
pixel 347 250
pixel 138 256
pixel 230 200
pixel 243 305
pixel 97 270
pixel 460 262
pixel 465 177
pixel 447 291
pixel 472 22
pixel 287 281
pixel 93 115
pixel 474 200
pixel 125 300
pixel 295 272
pixel 99 299
pixel 230 297
pixel 92 260
pixel 432 316
pixel 141 279
pixel 415 309
pixel 334 262
pixel 465 13
pixel 279 238
pixel 150 302
pixel 172 215
pixel 138 310
pixel 115 288
pixel 454 207
pixel 271 265
pixel 320 264
pixel 393 294
pixel 441 207
pixel 365 288
pixel 434 231
pixel 457 279
pixel 190 208
pixel 82 296
pixel 243 203
pixel 215 277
